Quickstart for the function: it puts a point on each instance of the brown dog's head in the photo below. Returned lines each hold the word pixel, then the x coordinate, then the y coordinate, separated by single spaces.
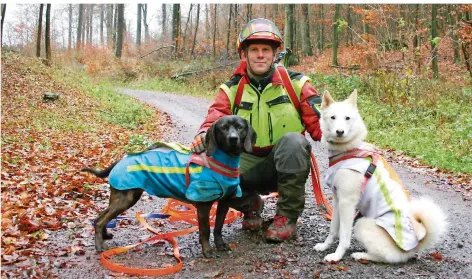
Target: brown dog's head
pixel 232 134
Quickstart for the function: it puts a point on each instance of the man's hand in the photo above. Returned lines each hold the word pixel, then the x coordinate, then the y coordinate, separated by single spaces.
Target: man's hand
pixel 198 144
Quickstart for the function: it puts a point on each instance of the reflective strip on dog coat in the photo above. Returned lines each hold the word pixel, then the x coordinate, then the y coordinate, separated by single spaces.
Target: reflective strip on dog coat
pixel 161 172
pixel 383 199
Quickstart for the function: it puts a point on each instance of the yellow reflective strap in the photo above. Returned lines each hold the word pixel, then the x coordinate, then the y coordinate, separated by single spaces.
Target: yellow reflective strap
pixel 158 169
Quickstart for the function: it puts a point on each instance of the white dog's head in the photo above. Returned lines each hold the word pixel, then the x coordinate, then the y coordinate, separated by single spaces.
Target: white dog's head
pixel 341 123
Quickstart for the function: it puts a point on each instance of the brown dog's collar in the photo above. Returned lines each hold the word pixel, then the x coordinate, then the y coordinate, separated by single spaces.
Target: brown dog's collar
pixel 208 162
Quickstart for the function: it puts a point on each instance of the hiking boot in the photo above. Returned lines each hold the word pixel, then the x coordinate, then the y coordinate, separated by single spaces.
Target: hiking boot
pixel 281 229
pixel 252 220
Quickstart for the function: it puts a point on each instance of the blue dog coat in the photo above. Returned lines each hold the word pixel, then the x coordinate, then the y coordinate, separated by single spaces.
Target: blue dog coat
pixel 162 172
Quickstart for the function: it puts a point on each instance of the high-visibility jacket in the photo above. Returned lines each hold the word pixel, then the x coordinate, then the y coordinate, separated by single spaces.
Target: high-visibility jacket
pixel 269 110
pixel 162 172
pixel 383 198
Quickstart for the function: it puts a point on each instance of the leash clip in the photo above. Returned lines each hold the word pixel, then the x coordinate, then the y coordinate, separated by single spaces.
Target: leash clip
pixel 370 170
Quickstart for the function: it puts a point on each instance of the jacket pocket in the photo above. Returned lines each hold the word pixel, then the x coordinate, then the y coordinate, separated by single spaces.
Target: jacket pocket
pixel 244 110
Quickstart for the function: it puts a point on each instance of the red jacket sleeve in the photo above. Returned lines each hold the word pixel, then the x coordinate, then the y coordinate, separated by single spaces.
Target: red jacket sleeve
pixel 221 106
pixel 309 116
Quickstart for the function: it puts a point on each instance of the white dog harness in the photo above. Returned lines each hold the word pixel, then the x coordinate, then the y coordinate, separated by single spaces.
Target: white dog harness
pixel 383 196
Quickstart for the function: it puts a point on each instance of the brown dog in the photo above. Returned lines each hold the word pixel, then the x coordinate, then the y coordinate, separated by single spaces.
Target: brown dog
pixel 227 138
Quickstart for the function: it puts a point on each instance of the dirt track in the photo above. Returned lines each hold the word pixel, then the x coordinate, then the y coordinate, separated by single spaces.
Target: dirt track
pixel 252 257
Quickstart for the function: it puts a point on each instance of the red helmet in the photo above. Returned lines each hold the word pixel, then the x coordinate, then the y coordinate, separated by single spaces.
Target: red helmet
pixel 259 29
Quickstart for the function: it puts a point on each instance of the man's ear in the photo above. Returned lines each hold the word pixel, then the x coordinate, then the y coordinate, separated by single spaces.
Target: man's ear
pixel 210 140
pixel 250 139
pixel 243 55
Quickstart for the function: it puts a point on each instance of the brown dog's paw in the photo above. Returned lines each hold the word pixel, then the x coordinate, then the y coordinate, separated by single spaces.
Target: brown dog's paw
pixel 222 246
pixel 210 253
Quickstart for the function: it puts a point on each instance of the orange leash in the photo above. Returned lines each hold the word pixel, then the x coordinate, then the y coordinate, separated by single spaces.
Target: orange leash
pixel 178 211
pixel 323 204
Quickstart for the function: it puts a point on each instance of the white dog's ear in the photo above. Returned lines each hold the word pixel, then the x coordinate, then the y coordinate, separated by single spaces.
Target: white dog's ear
pixel 327 100
pixel 353 98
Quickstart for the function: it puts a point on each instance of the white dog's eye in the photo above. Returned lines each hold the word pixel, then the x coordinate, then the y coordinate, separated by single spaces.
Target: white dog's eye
pixel 333 117
pixel 347 117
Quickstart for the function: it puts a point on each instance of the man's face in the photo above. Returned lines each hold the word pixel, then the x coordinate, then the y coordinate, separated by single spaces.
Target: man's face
pixel 259 57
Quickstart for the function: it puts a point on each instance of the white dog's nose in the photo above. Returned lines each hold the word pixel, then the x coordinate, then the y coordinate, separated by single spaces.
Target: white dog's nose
pixel 339 133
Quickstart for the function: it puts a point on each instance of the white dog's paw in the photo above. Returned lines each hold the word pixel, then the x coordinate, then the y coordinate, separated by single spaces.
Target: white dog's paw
pixel 360 256
pixel 332 257
pixel 321 247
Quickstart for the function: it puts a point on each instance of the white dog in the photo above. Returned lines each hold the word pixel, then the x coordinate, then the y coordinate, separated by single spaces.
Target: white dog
pixel 393 228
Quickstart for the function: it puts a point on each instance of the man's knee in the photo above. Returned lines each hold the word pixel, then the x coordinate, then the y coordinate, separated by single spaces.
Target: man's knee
pixel 292 153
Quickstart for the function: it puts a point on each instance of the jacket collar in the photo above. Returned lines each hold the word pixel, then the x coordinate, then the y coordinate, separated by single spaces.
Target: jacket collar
pixel 242 71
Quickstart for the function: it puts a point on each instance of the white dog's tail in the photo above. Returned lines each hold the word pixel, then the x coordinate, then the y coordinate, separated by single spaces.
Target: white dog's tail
pixel 433 222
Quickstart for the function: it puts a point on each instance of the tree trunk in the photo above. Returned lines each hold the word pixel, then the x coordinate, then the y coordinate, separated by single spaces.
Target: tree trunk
pixel 349 31
pixel 288 33
pixel 337 12
pixel 164 22
pixel 248 12
pixel 184 44
pixel 79 26
pixel 228 33
pixel 196 29
pixel 305 26
pixel 90 39
pixel 214 30
pixel 47 35
pixel 321 29
pixel 146 25
pixel 102 19
pixel 69 44
pixel 115 27
pixel 40 31
pixel 236 22
pixel 366 24
pixel 120 29
pixel 434 47
pixel 4 8
pixel 453 26
pixel 138 27
pixel 176 28
pixel 109 25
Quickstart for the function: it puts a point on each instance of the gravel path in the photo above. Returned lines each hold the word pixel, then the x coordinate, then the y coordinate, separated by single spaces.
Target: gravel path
pixel 252 257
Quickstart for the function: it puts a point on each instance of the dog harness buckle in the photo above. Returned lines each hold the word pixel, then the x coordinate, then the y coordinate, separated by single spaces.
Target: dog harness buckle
pixel 370 170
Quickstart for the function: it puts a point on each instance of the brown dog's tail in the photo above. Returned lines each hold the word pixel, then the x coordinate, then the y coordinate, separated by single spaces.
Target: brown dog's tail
pixel 100 173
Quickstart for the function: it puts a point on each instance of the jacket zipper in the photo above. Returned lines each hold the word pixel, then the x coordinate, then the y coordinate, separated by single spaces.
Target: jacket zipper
pixel 271 136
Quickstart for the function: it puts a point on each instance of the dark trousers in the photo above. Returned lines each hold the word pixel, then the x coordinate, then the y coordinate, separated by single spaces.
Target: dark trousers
pixel 285 170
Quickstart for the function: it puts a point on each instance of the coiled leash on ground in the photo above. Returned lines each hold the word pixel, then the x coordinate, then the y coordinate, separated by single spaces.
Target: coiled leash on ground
pixel 180 211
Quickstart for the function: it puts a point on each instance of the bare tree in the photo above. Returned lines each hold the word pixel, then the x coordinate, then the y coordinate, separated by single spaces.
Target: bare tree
pixel 40 31
pixel 47 35
pixel 90 38
pixel 337 13
pixel 102 19
pixel 434 42
pixel 109 24
pixel 214 30
pixel 146 25
pixel 321 29
pixel 186 26
pixel 306 41
pixel 120 29
pixel 196 29
pixel 4 8
pixel 164 21
pixel 228 33
pixel 138 27
pixel 69 45
pixel 79 26
pixel 176 33
pixel 288 33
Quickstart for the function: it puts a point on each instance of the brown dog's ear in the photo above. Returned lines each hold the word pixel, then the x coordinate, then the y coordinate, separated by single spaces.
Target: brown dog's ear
pixel 250 139
pixel 210 140
pixel 327 100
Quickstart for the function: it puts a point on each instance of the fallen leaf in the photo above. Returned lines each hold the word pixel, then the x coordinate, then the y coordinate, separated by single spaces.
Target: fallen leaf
pixel 436 256
pixel 343 268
